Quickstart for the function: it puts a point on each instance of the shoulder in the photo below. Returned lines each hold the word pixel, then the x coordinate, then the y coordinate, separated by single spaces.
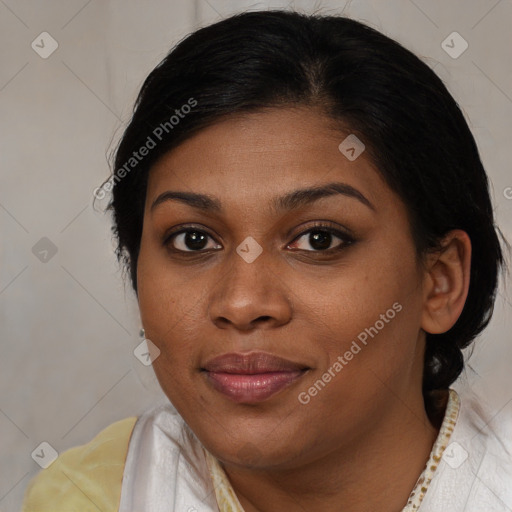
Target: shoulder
pixel 477 462
pixel 85 477
pixel 487 418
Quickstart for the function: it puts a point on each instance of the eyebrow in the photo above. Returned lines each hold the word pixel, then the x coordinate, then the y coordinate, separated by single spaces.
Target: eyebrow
pixel 289 201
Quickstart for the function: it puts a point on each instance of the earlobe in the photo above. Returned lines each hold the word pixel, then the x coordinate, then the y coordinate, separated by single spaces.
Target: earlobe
pixel 446 283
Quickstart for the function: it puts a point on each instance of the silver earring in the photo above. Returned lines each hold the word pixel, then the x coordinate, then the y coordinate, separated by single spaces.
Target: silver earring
pixel 142 333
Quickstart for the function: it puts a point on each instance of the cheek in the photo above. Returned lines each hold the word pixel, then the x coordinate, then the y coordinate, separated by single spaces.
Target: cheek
pixel 368 313
pixel 168 311
pixel 166 305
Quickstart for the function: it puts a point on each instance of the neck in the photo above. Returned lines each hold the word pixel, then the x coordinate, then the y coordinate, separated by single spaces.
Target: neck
pixel 376 472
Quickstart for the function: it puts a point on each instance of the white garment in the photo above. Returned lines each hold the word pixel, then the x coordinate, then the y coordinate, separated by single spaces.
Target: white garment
pixel 483 481
pixel 166 468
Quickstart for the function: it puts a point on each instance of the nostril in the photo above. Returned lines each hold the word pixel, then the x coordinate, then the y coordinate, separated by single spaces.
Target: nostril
pixel 263 318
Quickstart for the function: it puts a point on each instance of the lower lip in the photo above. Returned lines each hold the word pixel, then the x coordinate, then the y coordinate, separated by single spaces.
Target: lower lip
pixel 251 388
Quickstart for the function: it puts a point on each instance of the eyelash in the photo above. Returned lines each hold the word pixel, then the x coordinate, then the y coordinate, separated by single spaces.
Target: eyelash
pixel 346 239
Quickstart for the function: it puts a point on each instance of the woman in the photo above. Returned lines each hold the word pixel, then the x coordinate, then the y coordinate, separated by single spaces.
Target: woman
pixel 306 222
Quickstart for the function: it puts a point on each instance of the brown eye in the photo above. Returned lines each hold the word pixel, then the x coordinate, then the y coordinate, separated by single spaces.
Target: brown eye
pixel 320 239
pixel 189 240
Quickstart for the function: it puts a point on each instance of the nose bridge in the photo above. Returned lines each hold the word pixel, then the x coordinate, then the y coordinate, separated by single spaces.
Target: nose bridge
pixel 248 272
pixel 249 289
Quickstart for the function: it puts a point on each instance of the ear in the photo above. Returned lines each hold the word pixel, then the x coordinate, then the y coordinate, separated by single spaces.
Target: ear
pixel 446 283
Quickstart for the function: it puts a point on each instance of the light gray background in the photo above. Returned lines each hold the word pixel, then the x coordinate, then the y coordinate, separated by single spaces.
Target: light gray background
pixel 68 325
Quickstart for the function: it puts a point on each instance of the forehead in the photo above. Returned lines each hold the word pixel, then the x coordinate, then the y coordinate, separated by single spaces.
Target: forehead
pixel 256 156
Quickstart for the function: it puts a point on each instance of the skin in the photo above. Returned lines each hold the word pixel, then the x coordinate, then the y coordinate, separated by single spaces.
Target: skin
pixel 367 428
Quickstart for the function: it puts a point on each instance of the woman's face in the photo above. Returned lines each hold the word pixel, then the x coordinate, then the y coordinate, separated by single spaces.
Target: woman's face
pixel 253 270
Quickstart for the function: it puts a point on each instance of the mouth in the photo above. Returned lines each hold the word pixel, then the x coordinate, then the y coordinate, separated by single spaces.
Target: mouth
pixel 252 377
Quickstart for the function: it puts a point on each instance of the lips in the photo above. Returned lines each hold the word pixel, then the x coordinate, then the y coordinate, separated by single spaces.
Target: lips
pixel 252 377
pixel 251 363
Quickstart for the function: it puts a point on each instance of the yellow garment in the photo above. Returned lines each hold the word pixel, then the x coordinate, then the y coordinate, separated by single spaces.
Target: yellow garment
pixel 84 478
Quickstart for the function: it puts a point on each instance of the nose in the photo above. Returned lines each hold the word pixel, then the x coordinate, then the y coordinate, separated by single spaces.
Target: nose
pixel 249 295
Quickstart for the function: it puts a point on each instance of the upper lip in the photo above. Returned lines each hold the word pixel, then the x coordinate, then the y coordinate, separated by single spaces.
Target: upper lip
pixel 251 363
